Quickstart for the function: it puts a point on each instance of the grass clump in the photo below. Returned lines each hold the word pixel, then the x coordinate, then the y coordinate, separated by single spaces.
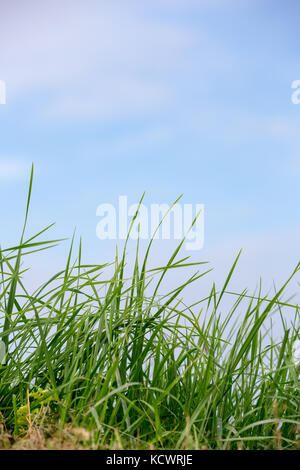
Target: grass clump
pixel 117 363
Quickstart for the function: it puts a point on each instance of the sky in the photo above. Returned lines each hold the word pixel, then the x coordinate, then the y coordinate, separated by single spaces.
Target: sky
pixel 170 97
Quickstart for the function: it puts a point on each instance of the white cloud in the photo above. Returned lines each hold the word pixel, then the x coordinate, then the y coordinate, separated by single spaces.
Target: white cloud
pixel 108 98
pixel 99 58
pixel 237 125
pixel 131 144
pixel 92 55
pixel 13 170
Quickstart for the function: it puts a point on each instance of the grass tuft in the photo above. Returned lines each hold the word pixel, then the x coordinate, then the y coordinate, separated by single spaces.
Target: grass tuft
pixel 101 361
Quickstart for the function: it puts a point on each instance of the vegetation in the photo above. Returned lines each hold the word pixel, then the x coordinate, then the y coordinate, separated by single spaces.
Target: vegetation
pixel 98 362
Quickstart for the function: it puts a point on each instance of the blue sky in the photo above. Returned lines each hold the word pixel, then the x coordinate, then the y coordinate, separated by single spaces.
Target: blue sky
pixel 169 97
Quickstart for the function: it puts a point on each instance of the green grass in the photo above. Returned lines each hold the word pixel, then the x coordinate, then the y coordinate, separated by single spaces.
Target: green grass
pixel 136 369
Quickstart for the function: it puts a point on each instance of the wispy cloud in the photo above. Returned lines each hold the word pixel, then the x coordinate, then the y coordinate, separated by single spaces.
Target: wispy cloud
pixel 12 170
pixel 240 125
pixel 100 59
pixel 96 61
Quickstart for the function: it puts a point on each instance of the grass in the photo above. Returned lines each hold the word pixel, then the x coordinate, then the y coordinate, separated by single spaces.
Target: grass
pixel 99 361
